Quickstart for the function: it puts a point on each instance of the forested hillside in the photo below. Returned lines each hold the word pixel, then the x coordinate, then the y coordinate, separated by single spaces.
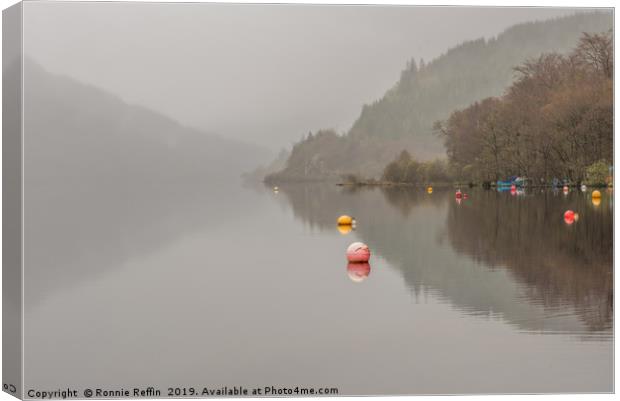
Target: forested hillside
pixel 555 121
pixel 425 93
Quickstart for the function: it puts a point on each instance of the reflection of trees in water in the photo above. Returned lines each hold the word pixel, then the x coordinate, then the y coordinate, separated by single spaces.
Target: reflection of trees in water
pixel 404 198
pixel 319 205
pixel 560 264
pixel 424 237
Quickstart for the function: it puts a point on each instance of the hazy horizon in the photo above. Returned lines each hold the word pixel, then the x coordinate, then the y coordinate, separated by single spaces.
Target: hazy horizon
pixel 266 74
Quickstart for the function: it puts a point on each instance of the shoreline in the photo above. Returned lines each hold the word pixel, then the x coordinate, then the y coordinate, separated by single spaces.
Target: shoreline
pixel 456 185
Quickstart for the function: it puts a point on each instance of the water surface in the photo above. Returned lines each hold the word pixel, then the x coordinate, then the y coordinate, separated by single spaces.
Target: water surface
pixel 213 285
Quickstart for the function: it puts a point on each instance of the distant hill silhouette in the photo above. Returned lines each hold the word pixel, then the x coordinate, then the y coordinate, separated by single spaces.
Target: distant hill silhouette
pixel 106 181
pixel 426 93
pixel 75 131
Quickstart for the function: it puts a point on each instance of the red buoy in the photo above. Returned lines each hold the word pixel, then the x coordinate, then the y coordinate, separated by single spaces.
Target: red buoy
pixel 358 252
pixel 569 217
pixel 458 194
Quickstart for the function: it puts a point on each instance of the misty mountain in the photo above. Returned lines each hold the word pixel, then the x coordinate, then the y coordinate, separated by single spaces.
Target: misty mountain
pixel 106 181
pixel 428 92
pixel 259 173
pixel 76 132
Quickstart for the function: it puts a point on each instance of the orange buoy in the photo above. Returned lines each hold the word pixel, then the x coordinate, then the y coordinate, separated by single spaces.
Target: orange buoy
pixel 345 220
pixel 429 190
pixel 596 194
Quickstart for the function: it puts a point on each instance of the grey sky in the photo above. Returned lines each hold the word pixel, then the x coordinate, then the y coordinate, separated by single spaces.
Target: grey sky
pixel 264 74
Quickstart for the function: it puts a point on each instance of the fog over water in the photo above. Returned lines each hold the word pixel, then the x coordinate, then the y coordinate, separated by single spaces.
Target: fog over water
pixel 147 261
pixel 264 74
pixel 184 285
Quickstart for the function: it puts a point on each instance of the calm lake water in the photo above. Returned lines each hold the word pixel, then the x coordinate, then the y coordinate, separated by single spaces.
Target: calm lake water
pixel 223 285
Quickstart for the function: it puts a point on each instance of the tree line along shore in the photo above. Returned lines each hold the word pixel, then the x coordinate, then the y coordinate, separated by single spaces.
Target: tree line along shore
pixel 553 126
pixel 550 123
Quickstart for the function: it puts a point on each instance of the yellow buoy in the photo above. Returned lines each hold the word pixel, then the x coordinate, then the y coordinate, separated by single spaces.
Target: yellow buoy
pixel 596 194
pixel 429 189
pixel 596 201
pixel 344 229
pixel 345 220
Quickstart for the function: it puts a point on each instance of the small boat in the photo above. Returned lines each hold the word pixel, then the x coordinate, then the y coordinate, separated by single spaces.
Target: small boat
pixel 516 181
pixel 507 183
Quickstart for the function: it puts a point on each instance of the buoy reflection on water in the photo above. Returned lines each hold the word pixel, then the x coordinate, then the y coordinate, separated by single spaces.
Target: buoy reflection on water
pixel 344 229
pixel 358 272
